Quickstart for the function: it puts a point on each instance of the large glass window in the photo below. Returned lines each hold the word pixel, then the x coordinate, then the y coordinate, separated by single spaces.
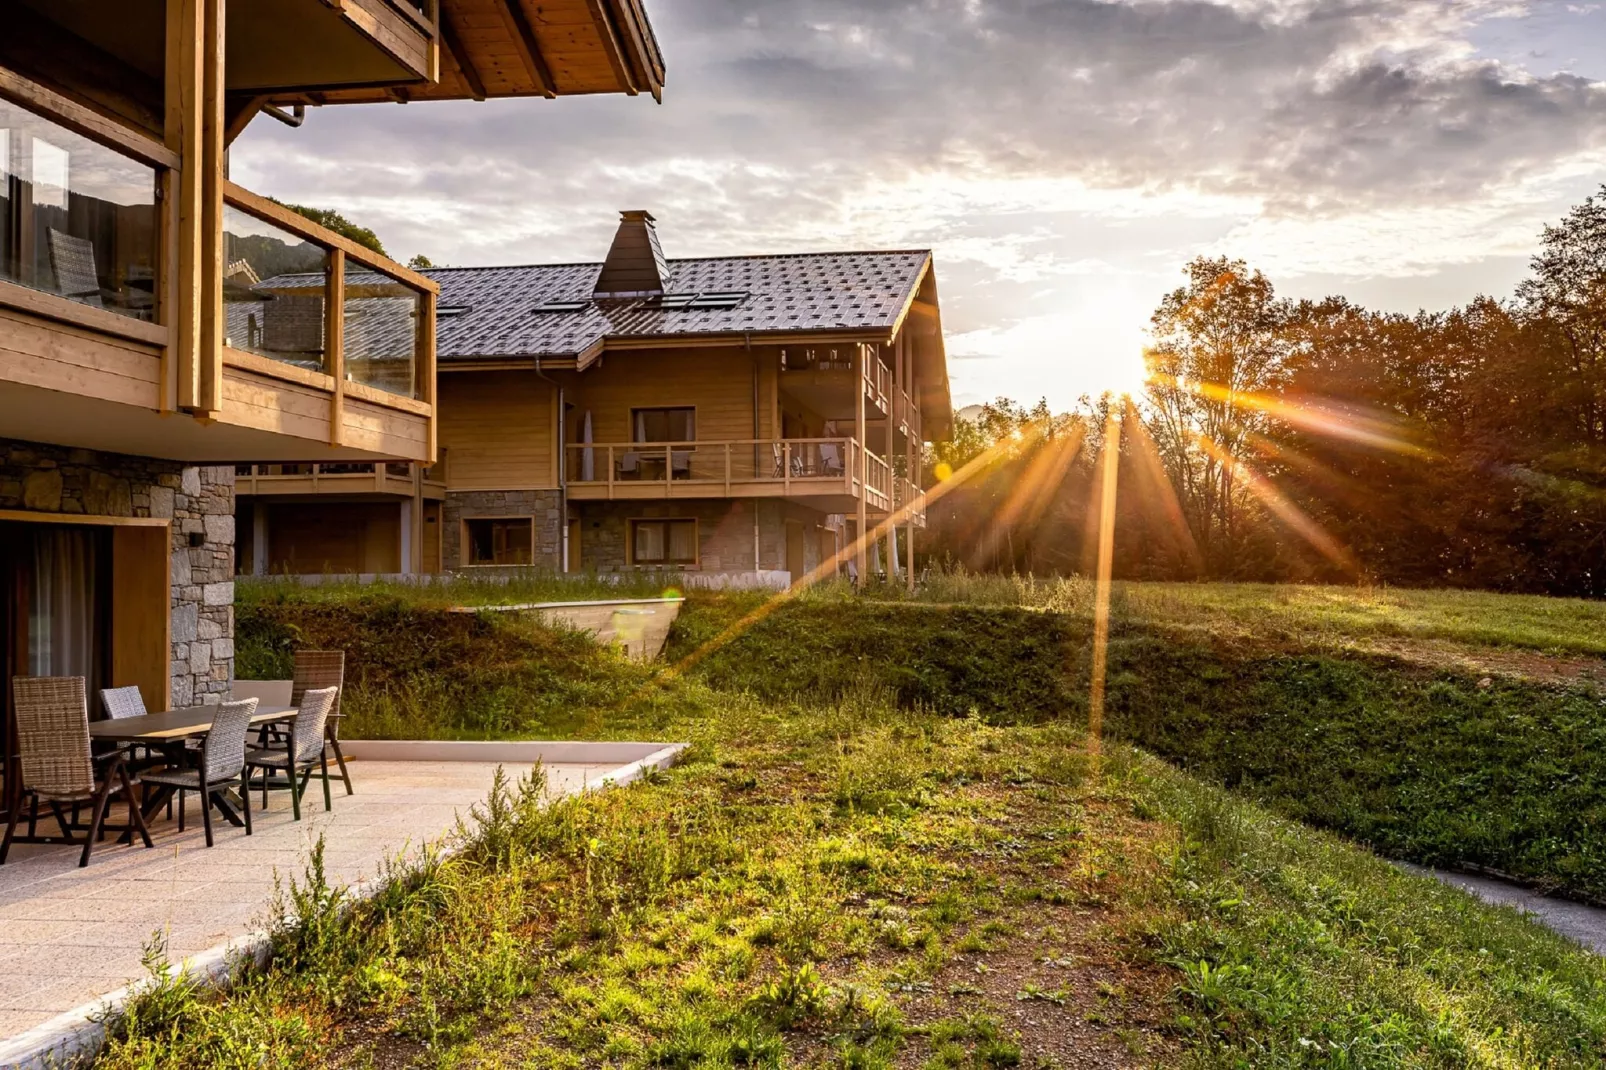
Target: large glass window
pixel 273 291
pixel 502 541
pixel 664 425
pixel 663 542
pixel 76 218
pixel 381 331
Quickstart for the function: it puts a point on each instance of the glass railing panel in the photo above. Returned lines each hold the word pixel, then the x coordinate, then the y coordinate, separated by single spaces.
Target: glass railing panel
pixel 273 292
pixel 381 331
pixel 77 219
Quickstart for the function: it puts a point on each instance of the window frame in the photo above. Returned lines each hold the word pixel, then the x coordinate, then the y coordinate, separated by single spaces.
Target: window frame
pixel 635 409
pixel 466 542
pixel 697 542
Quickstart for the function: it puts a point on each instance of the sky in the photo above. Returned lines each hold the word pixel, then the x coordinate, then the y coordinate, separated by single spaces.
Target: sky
pixel 1063 159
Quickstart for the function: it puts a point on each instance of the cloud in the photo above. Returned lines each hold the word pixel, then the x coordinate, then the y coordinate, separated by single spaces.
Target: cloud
pixel 1043 147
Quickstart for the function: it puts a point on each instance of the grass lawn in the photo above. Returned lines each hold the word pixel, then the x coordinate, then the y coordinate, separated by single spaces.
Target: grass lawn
pixel 854 885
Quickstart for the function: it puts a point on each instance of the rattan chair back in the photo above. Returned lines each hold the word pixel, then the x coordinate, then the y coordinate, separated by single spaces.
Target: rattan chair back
pixel 310 721
pixel 317 669
pixel 52 715
pixel 225 743
pixel 121 702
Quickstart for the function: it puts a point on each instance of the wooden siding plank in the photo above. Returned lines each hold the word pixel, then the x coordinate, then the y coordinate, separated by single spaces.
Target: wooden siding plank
pixel 497 427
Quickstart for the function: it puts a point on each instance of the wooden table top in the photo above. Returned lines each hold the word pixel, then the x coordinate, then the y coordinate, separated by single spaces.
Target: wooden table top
pixel 176 724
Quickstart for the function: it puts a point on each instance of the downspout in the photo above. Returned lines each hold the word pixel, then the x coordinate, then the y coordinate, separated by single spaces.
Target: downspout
pixel 758 452
pixel 563 473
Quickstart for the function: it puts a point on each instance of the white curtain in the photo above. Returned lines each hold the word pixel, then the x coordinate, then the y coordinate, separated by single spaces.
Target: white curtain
pixel 63 614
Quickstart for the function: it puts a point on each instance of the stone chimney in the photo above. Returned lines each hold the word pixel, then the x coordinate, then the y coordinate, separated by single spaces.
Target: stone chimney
pixel 636 266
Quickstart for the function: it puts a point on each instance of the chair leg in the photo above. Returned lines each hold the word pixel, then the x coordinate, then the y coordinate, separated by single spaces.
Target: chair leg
pixel 245 802
pixel 323 762
pixel 296 788
pixel 136 819
pixel 33 816
pixel 340 760
pixel 180 793
pixel 206 810
pixel 11 830
pixel 99 816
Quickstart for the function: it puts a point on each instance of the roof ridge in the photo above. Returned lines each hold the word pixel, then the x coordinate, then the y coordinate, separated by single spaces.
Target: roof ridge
pixel 685 260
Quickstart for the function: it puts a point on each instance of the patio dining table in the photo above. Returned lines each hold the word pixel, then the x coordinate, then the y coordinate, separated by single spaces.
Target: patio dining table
pixel 168 731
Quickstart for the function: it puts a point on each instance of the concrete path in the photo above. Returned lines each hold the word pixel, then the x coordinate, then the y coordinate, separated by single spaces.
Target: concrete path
pixel 70 935
pixel 1576 921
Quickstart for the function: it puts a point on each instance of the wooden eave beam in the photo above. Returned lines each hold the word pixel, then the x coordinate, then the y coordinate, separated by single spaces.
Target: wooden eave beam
pixel 641 50
pixel 610 44
pixel 529 48
pixel 465 66
pixel 238 115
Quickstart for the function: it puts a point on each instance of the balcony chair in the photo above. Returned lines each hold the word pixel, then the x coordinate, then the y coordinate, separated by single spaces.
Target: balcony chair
pixel 58 765
pixel 680 464
pixel 830 459
pixel 317 669
pixel 221 766
pixel 304 750
pixel 73 260
pixel 629 464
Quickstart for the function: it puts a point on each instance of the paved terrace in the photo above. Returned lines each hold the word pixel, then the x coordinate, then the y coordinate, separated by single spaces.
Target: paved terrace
pixel 69 936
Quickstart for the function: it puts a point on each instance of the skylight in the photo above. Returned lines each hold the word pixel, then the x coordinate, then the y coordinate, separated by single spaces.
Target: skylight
pixel 452 310
pixel 713 299
pixel 563 306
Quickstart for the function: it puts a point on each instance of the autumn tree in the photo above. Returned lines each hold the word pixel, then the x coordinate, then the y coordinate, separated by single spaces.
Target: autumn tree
pixel 1219 343
pixel 1567 292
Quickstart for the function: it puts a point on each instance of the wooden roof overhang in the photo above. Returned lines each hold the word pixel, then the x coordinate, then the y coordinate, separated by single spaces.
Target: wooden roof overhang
pixel 516 48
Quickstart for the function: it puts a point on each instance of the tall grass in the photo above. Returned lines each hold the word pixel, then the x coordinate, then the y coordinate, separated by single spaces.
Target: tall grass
pixel 513 586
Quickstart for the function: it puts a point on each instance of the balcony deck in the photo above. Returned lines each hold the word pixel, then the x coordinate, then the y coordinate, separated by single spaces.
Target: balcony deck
pixel 829 474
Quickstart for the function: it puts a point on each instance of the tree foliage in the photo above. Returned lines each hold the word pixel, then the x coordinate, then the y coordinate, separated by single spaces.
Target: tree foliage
pixel 1321 440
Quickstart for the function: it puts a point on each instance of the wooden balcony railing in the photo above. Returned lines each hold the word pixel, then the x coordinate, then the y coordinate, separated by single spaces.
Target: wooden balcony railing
pixel 379 477
pixel 738 468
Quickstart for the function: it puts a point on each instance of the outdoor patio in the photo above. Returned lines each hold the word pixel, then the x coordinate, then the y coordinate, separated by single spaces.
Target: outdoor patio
pixel 71 935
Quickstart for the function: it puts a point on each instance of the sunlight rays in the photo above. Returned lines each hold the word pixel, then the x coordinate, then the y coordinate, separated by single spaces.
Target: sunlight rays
pixel 1110 468
pixel 1031 495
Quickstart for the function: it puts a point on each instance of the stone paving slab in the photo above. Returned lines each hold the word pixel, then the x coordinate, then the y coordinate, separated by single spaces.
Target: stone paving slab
pixel 70 935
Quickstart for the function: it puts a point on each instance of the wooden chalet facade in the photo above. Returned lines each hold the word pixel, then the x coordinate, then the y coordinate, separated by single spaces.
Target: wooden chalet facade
pixel 141 359
pixel 743 417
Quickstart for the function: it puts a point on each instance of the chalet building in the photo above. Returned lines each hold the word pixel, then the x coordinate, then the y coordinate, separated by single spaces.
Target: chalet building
pixel 736 417
pixel 142 358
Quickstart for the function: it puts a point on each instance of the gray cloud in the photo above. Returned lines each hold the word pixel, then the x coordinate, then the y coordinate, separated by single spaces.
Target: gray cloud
pixel 785 122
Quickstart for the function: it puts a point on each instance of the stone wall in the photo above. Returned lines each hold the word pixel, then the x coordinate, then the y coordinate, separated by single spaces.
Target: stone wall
pixel 544 506
pixel 198 501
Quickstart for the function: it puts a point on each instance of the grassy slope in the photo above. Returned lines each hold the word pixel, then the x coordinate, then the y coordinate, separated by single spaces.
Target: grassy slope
pixel 859 886
pixel 1431 765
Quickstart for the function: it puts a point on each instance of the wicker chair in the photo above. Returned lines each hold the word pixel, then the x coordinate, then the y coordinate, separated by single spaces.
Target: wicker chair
pixel 222 765
pixel 323 668
pixel 304 751
pixel 58 766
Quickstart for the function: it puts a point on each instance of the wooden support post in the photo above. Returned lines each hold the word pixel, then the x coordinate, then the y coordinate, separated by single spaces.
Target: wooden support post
pixel 334 343
pixel 195 130
pixel 860 540
pixel 427 376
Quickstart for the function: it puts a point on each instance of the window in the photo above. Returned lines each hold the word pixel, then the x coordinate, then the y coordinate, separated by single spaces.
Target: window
pixel 664 425
pixel 563 306
pixel 503 541
pixel 663 542
pixel 77 219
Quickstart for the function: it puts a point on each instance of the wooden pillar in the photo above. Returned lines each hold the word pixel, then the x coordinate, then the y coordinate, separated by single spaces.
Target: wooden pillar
pixel 334 343
pixel 860 535
pixel 194 129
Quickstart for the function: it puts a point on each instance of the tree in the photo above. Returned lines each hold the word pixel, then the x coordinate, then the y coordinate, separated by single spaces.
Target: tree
pixel 420 262
pixel 333 220
pixel 1218 344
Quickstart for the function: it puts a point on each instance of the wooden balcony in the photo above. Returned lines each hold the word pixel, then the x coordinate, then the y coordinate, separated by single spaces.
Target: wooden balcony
pixel 392 479
pixel 92 351
pixel 823 379
pixel 831 474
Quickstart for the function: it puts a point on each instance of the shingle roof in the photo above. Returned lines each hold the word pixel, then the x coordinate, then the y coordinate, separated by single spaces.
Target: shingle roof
pixel 807 292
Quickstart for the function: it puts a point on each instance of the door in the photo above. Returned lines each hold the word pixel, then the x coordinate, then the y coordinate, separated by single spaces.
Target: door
pixel 574 547
pixel 794 550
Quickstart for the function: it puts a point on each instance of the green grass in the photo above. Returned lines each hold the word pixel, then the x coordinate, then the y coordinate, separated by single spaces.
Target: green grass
pixel 856 885
pixel 1479 618
pixel 505 587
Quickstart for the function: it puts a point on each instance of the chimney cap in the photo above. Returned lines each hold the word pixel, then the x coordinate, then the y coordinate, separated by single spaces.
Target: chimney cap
pixel 636 215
